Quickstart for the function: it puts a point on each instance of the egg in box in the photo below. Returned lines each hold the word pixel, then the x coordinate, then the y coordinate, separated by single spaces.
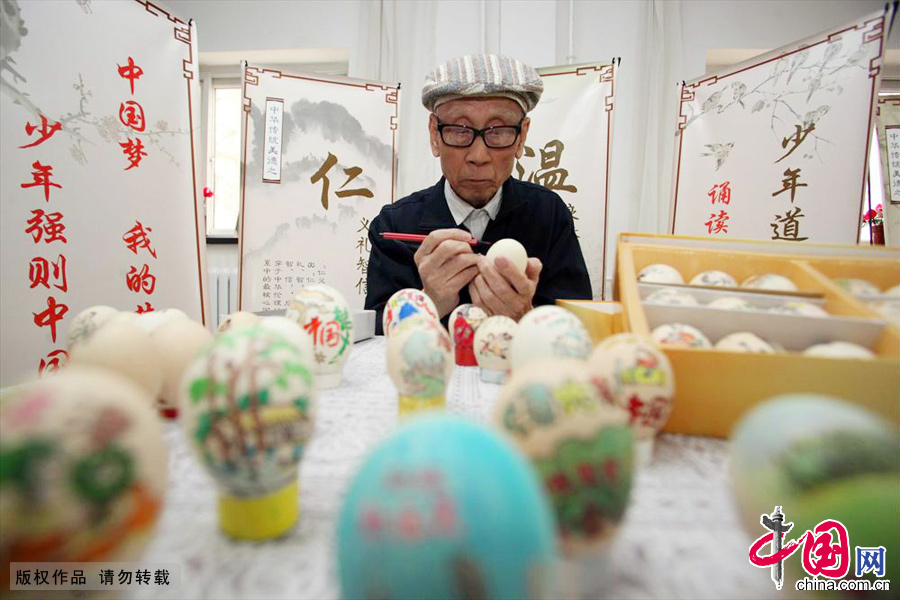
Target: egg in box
pixel 716 386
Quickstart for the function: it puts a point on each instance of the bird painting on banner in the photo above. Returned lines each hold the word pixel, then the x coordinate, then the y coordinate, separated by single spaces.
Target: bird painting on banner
pixel 775 148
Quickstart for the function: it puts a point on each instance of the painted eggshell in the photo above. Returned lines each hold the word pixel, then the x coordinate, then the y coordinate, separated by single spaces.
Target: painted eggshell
pixel 671 297
pixel 493 340
pixel 744 341
pixel 324 314
pixel 510 249
pixel 125 348
pixel 586 464
pixel 805 309
pixel 454 496
pixel 150 321
pixel 857 287
pixel 406 303
pixel 247 405
pixel 679 334
pixel 177 342
pixel 894 291
pixel 714 278
pixel 87 322
pixel 544 395
pixel 549 332
pixel 238 320
pixel 819 458
pixel 419 361
pixel 632 373
pixel 660 273
pixel 730 303
pixel 464 322
pixel 770 281
pixel 292 331
pixel 84 469
pixel 889 309
pixel 839 350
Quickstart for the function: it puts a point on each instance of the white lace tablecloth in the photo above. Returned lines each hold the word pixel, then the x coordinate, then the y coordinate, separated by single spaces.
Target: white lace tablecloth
pixel 680 538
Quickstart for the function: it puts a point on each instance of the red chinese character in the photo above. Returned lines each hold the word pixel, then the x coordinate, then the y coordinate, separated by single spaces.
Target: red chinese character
pixel 134 150
pixel 136 237
pixel 820 556
pixel 131 72
pixel 46 132
pixel 147 307
pixel 717 224
pixel 50 230
pixel 140 281
pixel 131 114
pixel 41 176
pixel 39 272
pixel 53 362
pixel 49 318
pixel 720 192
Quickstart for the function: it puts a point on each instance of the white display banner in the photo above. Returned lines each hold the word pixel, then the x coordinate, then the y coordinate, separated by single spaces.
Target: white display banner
pixel 889 146
pixel 776 148
pixel 99 203
pixel 567 151
pixel 332 145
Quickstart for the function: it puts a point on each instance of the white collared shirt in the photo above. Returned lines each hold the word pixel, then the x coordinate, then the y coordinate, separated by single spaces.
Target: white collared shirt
pixel 476 219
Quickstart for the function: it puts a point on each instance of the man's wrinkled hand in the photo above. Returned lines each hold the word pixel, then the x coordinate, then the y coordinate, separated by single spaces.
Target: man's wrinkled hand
pixel 501 289
pixel 446 264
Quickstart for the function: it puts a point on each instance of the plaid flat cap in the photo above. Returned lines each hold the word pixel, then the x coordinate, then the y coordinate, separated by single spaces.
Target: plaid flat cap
pixel 482 75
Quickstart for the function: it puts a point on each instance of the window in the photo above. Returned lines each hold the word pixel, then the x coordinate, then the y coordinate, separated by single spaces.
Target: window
pixel 221 114
pixel 224 174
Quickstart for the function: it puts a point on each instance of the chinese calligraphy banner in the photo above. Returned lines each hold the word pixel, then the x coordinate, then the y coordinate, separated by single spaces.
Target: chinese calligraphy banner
pixel 889 145
pixel 776 148
pixel 567 151
pixel 98 188
pixel 331 143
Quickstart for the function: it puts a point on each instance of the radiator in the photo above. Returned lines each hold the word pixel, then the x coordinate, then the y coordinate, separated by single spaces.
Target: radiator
pixel 223 293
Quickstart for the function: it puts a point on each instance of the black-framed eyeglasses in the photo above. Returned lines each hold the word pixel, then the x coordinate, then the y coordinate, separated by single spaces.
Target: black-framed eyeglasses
pixel 462 136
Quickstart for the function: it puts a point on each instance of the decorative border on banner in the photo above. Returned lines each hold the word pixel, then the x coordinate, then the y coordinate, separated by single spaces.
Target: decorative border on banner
pixel 251 77
pixel 875 33
pixel 183 32
pixel 891 100
pixel 606 75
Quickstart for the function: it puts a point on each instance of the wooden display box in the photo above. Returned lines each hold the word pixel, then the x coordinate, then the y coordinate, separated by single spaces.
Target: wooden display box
pixel 715 388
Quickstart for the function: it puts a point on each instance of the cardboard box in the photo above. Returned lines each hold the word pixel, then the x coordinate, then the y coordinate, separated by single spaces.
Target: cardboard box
pixel 715 388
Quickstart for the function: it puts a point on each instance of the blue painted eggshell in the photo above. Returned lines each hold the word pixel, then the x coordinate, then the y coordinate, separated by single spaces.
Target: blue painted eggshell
pixel 445 509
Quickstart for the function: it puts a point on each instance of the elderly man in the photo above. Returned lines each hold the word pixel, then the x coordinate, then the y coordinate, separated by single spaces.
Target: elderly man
pixel 478 126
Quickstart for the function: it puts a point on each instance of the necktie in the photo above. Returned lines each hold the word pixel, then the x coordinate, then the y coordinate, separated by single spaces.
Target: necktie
pixel 477 222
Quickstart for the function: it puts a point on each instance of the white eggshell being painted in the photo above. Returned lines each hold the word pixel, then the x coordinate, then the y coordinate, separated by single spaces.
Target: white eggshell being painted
pixel 511 250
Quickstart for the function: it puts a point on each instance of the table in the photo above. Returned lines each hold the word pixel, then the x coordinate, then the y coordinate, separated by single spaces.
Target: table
pixel 680 537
